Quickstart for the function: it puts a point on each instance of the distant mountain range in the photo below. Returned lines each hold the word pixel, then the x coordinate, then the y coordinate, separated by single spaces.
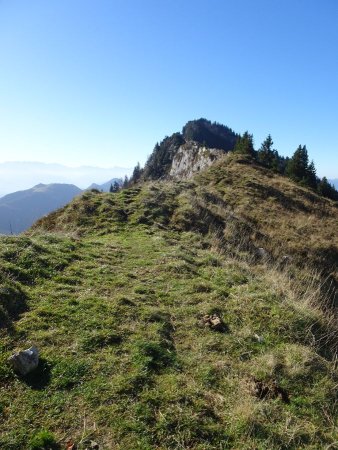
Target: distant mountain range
pixel 17 176
pixel 334 182
pixel 19 210
pixel 105 187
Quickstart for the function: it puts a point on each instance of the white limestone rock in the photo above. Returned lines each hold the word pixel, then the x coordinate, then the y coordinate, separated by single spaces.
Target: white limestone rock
pixel 25 361
pixel 193 157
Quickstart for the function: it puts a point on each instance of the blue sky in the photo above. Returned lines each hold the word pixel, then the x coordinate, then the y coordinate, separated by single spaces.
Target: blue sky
pixel 100 82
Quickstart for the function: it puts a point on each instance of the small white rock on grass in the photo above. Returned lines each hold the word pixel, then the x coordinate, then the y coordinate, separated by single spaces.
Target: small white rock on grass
pixel 25 361
pixel 258 338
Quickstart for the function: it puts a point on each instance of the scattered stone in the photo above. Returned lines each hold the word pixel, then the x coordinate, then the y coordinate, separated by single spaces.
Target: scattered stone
pixel 266 390
pixel 245 356
pixel 214 322
pixel 262 253
pixel 286 259
pixel 25 361
pixel 259 339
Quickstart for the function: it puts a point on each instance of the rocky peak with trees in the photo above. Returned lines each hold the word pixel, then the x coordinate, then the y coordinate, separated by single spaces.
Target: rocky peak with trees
pixel 200 133
pixel 201 142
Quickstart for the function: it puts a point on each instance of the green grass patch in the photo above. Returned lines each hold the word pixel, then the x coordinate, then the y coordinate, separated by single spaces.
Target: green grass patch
pixel 115 314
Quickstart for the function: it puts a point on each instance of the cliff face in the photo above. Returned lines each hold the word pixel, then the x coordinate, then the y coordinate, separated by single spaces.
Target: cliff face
pixel 202 140
pixel 191 157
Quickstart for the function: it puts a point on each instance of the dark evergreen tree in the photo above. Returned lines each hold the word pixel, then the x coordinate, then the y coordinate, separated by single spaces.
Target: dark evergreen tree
pixel 137 172
pixel 326 189
pixel 297 167
pixel 282 163
pixel 125 182
pixel 114 187
pixel 266 155
pixel 311 177
pixel 269 156
pixel 276 165
pixel 244 145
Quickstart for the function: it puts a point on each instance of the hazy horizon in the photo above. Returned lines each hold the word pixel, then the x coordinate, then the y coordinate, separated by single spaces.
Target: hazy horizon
pixel 57 164
pixel 21 175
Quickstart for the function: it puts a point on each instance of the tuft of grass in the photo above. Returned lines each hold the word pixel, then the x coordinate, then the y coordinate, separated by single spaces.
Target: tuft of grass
pixel 43 440
pixel 68 373
pixel 100 339
pixel 153 355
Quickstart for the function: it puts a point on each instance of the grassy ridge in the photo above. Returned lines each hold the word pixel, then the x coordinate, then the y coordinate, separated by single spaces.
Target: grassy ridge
pixel 247 205
pixel 114 293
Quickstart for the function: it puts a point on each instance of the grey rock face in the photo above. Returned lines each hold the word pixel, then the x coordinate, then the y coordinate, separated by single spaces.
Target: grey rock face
pixel 25 361
pixel 191 157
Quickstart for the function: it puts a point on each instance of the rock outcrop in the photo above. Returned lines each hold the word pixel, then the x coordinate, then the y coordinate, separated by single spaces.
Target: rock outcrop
pixel 191 157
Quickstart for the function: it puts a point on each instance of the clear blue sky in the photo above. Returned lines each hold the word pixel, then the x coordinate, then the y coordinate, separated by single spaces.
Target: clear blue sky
pixel 98 82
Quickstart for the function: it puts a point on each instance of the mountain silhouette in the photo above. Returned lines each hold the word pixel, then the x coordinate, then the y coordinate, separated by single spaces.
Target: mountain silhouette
pixel 19 210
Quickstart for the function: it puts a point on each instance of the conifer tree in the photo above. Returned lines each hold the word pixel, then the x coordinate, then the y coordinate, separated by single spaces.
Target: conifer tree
pixel 114 187
pixel 326 189
pixel 311 177
pixel 125 182
pixel 244 145
pixel 266 155
pixel 276 162
pixel 297 167
pixel 136 173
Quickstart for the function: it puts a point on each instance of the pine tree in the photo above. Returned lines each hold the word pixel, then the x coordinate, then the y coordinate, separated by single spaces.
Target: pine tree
pixel 136 173
pixel 311 177
pixel 244 145
pixel 326 189
pixel 297 167
pixel 114 187
pixel 125 182
pixel 276 165
pixel 266 155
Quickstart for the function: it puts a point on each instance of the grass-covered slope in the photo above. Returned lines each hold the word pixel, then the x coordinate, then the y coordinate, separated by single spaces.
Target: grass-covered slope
pixel 240 200
pixel 113 290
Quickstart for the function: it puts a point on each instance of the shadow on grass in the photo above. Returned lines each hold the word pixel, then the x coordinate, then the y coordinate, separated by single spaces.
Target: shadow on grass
pixel 39 378
pixel 13 302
